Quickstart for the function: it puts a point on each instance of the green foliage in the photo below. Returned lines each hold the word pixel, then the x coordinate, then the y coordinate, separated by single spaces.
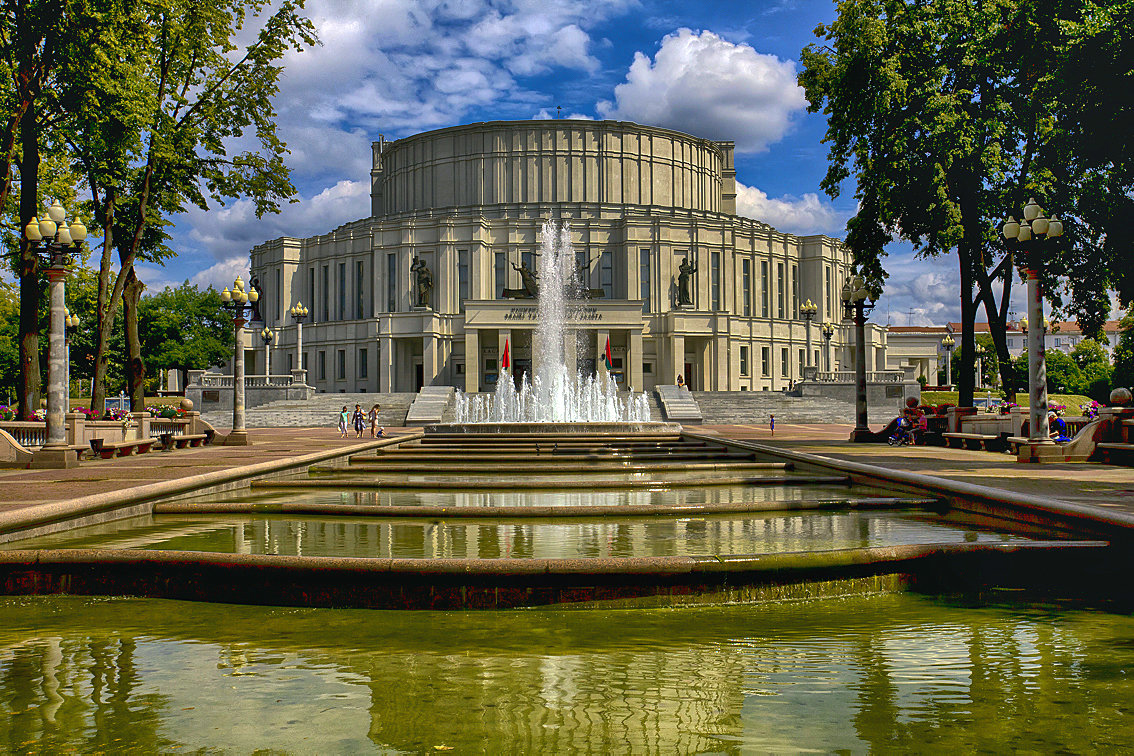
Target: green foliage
pixel 185 328
pixel 1124 353
pixel 1095 368
pixel 9 343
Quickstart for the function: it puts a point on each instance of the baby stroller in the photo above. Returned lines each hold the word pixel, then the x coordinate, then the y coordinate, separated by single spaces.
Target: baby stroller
pixel 903 434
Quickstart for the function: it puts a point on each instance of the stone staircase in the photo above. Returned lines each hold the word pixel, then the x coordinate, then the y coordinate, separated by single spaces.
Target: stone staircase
pixel 678 404
pixel 321 411
pixel 754 407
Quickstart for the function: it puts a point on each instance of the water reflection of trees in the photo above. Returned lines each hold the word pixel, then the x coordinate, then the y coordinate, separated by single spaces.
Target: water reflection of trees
pixel 884 674
pixel 78 695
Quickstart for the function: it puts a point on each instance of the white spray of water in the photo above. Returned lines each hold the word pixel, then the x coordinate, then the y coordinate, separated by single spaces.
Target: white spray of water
pixel 558 392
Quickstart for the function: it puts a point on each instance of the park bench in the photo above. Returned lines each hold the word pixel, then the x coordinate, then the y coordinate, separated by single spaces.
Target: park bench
pixel 983 441
pixel 190 439
pixel 1115 453
pixel 110 449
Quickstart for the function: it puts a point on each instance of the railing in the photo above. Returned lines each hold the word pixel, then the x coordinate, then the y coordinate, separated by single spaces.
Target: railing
pixel 225 381
pixel 31 434
pixel 849 376
pixel 171 425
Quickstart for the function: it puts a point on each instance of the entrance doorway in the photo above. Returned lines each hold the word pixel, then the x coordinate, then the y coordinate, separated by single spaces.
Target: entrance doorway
pixel 689 376
pixel 418 376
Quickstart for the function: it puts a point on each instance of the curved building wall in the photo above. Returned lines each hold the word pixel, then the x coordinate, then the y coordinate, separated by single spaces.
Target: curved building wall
pixel 552 162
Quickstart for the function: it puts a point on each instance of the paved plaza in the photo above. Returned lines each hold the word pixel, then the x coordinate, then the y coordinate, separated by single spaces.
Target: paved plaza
pixel 1107 487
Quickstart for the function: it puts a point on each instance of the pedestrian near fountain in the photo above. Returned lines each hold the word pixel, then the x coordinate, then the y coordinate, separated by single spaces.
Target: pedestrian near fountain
pixel 343 416
pixel 358 420
pixel 372 416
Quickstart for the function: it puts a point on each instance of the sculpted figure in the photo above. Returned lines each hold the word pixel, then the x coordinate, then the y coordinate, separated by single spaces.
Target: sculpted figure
pixel 685 272
pixel 529 279
pixel 423 281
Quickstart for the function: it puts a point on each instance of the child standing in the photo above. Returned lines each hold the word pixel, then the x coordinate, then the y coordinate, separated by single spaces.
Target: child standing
pixel 343 422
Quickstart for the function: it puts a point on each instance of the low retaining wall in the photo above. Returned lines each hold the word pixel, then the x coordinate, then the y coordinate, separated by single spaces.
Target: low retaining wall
pixel 453 584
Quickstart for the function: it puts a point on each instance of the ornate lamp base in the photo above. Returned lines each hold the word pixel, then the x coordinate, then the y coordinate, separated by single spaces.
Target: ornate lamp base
pixel 237 438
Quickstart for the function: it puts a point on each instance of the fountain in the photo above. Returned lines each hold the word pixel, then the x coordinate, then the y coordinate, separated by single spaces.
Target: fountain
pixel 560 398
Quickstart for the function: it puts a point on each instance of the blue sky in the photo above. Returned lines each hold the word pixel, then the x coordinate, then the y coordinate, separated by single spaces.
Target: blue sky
pixel 722 70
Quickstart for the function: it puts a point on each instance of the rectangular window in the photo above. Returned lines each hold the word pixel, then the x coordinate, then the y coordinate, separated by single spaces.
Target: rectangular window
pixel 528 260
pixel 290 361
pixel 781 292
pixel 827 293
pixel 764 293
pixel 583 268
pixel 802 357
pixel 326 293
pixel 311 293
pixel 648 368
pixel 795 291
pixel 342 313
pixel 340 372
pixel 785 365
pixel 362 363
pixel 462 278
pixel 644 278
pixel 765 361
pixel 278 295
pixel 746 286
pixel 360 289
pixel 322 366
pixel 500 271
pixel 715 279
pixel 744 360
pixel 606 274
pixel 391 283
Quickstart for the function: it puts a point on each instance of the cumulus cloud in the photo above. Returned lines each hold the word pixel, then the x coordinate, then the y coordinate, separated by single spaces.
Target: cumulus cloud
pixel 798 215
pixel 705 85
pixel 222 274
pixel 226 230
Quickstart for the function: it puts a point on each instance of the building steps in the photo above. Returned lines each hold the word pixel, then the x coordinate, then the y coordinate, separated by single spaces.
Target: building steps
pixel 429 405
pixel 679 404
pixel 321 411
pixel 755 407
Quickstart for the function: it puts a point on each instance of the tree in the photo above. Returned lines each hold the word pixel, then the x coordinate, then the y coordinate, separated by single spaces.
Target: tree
pixel 190 95
pixel 1124 353
pixel 185 329
pixel 1095 368
pixel 1063 375
pixel 949 115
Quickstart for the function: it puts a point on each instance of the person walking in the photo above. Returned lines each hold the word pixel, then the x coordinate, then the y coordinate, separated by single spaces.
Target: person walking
pixel 372 416
pixel 358 420
pixel 343 416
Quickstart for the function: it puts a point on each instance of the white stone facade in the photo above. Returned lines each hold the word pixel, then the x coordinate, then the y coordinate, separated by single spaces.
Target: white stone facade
pixel 470 201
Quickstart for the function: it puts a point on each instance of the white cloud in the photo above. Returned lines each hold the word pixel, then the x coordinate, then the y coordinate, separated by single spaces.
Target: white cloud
pixel 236 227
pixel 222 274
pixel 798 215
pixel 705 85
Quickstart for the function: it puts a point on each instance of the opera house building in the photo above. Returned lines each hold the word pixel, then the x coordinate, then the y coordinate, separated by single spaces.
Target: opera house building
pixel 430 288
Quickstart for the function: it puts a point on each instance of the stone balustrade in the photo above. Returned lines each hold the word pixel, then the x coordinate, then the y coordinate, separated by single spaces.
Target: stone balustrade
pixel 211 391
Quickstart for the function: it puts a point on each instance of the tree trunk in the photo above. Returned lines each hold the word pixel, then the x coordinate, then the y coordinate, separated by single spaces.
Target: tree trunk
pixel 31 289
pixel 105 309
pixel 135 367
pixel 965 382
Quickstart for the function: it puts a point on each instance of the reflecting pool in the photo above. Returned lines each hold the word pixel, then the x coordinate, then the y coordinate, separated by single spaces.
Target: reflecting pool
pixel 890 673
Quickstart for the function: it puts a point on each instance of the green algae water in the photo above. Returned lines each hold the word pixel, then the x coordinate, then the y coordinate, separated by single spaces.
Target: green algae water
pixel 891 673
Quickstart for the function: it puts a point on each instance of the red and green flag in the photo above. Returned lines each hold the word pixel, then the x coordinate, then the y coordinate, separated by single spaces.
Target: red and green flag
pixel 606 357
pixel 505 363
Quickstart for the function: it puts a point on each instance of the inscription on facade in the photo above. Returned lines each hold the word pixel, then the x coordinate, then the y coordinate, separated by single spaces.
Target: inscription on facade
pixel 577 314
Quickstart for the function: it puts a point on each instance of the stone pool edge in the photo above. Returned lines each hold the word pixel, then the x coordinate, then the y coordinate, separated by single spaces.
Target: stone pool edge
pixel 605 582
pixel 998 503
pixel 67 514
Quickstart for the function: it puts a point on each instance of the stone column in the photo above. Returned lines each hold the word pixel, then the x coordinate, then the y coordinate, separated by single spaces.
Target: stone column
pixel 429 353
pixel 633 366
pixel 55 452
pixel 601 335
pixel 1040 432
pixel 239 435
pixel 385 364
pixel 722 381
pixel 676 360
pixel 504 337
pixel 472 360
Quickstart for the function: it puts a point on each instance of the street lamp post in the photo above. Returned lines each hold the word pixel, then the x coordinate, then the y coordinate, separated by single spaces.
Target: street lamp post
pixel 947 344
pixel 267 335
pixel 828 331
pixel 70 323
pixel 1029 235
pixel 855 304
pixel 979 353
pixel 808 310
pixel 240 304
pixel 299 314
pixel 55 240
